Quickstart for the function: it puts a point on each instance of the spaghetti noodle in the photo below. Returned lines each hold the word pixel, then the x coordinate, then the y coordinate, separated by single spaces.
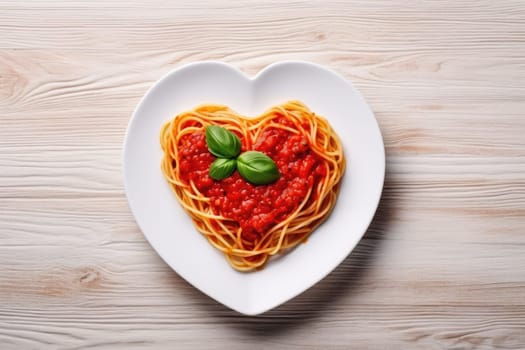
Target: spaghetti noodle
pixel 250 223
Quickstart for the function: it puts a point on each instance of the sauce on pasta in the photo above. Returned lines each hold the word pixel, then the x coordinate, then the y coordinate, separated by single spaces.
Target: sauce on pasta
pixel 250 223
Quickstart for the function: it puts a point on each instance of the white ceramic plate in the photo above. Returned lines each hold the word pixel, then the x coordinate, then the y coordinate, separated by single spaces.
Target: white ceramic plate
pixel 170 231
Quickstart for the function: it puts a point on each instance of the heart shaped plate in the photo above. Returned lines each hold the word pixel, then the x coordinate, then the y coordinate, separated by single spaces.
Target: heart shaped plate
pixel 171 232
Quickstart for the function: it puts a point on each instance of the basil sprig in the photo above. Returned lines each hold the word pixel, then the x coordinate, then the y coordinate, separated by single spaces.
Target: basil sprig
pixel 221 168
pixel 255 167
pixel 222 143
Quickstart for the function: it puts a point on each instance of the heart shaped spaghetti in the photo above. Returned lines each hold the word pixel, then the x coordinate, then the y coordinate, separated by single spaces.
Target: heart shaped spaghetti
pixel 250 223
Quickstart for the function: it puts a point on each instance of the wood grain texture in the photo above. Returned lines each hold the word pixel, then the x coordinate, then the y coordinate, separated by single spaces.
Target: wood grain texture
pixel 442 265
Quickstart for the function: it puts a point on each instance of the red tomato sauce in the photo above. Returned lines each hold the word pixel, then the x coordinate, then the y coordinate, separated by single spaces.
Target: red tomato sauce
pixel 255 207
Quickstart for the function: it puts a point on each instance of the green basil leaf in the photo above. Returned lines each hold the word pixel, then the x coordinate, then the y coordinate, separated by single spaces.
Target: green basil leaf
pixel 222 168
pixel 221 142
pixel 257 168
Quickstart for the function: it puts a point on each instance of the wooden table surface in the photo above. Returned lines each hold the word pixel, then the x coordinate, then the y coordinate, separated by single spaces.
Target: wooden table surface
pixel 443 263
